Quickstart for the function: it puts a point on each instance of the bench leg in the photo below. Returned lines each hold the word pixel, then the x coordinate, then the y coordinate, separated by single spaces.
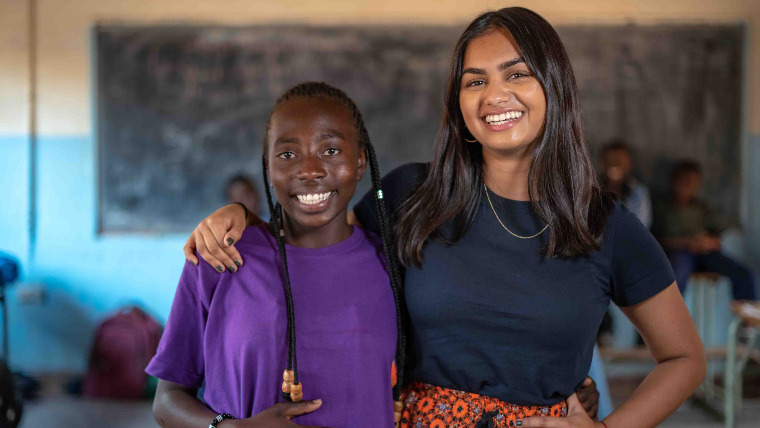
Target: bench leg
pixel 733 379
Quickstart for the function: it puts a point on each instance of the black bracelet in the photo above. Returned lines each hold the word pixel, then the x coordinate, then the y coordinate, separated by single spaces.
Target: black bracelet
pixel 244 208
pixel 220 418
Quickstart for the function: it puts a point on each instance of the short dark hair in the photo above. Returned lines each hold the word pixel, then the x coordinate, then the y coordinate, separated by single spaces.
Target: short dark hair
pixel 684 167
pixel 617 144
pixel 240 178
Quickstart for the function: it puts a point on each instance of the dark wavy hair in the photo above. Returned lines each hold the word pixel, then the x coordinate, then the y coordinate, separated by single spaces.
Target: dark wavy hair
pixel 561 184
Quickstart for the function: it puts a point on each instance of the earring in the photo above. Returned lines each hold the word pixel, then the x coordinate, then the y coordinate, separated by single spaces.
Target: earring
pixel 465 138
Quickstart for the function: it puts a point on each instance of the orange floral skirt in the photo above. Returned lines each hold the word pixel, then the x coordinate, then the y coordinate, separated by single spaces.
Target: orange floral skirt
pixel 436 407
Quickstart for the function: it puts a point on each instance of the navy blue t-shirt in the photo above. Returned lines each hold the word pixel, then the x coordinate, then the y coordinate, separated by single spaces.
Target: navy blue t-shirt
pixel 492 316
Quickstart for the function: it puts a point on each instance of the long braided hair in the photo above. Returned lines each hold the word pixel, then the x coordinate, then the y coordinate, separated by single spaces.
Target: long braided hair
pixel 321 89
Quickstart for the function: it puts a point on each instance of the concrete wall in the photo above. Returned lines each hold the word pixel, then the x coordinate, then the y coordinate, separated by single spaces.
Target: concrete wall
pixel 88 275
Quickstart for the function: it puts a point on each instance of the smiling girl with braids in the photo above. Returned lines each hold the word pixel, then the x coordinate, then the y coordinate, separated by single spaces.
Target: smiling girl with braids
pixel 312 301
pixel 514 252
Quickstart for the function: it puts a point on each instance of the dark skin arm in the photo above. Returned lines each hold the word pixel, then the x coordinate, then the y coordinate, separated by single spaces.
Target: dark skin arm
pixel 177 406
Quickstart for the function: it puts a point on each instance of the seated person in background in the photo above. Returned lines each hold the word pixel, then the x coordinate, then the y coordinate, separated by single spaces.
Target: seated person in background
pixel 688 231
pixel 616 176
pixel 241 188
pixel 617 163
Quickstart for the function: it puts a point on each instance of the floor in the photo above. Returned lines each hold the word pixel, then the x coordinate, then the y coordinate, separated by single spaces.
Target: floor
pixel 65 412
pixel 59 410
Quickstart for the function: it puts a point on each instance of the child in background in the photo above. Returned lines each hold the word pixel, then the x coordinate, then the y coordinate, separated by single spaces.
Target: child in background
pixel 241 189
pixel 617 178
pixel 310 279
pixel 688 231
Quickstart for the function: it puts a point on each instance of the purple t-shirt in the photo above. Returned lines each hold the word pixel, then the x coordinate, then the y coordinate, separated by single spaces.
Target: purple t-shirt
pixel 230 330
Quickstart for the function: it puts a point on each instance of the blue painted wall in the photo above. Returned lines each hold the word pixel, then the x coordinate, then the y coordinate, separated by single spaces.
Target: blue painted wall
pixel 86 275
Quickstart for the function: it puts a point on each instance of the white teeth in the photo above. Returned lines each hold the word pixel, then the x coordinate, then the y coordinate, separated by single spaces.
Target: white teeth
pixel 313 198
pixel 499 119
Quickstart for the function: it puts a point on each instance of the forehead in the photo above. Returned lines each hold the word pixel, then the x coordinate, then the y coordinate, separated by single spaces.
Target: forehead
pixel 310 114
pixel 617 153
pixel 688 176
pixel 491 48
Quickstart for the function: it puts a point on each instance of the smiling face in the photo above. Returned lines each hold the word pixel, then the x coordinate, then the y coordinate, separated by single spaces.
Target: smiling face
pixel 314 161
pixel 502 103
pixel 616 164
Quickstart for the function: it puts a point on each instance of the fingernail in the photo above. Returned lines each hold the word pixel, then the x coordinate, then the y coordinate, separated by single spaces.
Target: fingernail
pixel 232 268
pixel 230 241
pixel 238 263
pixel 518 423
pixel 220 269
pixel 317 401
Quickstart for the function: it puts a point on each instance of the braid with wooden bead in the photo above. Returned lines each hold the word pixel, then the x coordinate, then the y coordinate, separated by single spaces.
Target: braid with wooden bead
pixel 277 226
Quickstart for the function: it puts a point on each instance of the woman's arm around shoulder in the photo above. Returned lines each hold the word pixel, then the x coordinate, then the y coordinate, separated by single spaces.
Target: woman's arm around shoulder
pixel 214 238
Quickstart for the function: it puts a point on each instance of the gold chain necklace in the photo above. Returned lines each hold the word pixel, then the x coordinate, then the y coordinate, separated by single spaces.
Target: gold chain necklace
pixel 502 224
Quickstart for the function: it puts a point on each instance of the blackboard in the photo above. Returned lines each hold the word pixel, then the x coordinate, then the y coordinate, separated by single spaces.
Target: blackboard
pixel 672 92
pixel 181 109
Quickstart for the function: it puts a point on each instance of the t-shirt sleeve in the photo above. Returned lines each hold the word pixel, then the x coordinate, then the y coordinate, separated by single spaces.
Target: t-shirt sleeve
pixel 180 357
pixel 640 268
pixel 396 186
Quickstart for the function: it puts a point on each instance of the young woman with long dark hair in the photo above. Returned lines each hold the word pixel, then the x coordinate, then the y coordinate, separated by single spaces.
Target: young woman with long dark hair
pixel 513 251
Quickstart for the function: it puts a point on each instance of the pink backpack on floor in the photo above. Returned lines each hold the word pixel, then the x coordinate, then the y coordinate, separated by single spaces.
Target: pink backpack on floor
pixel 124 344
